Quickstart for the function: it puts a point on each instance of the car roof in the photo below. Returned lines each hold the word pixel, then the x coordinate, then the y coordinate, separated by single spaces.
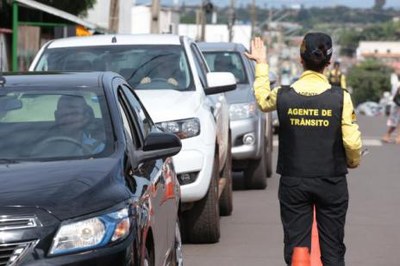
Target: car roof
pixel 48 79
pixel 116 39
pixel 221 46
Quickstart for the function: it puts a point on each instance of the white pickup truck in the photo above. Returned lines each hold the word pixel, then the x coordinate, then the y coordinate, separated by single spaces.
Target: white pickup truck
pixel 182 96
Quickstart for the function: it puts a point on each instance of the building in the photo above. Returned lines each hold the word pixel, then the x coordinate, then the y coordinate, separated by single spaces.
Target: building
pixel 141 19
pixel 100 14
pixel 31 24
pixel 387 52
pixel 218 33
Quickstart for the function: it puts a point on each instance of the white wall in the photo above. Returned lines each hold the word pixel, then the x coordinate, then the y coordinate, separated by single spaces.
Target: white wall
pixel 169 21
pixel 380 49
pixel 140 19
pixel 218 33
pixel 141 16
pixel 99 14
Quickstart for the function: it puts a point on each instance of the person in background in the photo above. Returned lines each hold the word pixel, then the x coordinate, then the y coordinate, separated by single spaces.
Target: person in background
pixel 393 120
pixel 318 141
pixel 336 77
pixel 164 71
pixel 386 102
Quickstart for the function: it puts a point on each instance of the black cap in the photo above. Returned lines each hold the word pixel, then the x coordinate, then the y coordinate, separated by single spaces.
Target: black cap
pixel 316 46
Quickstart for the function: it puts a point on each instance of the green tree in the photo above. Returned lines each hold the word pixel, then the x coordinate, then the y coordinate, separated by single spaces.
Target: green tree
pixel 369 80
pixel 75 7
pixel 349 40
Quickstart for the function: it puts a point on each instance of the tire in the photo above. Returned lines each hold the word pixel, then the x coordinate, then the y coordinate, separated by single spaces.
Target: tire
pixel 177 254
pixel 255 175
pixel 202 223
pixel 225 201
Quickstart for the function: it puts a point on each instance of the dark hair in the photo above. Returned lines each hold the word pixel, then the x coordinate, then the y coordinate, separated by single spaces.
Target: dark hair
pixel 316 51
pixel 316 64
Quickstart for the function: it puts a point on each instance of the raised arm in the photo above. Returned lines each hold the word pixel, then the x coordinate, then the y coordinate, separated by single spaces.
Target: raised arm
pixel 266 98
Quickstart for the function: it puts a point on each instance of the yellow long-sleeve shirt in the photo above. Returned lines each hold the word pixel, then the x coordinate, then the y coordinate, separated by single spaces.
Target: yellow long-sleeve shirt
pixel 334 73
pixel 312 83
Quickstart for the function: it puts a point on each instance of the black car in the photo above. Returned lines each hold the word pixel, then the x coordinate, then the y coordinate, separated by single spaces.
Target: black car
pixel 86 178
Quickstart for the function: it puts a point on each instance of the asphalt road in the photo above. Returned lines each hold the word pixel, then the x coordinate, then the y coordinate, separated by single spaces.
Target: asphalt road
pixel 253 234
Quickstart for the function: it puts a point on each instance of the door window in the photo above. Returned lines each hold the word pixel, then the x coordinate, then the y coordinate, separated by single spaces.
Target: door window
pixel 201 65
pixel 144 121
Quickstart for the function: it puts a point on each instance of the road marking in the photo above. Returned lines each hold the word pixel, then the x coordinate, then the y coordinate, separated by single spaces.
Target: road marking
pixel 372 142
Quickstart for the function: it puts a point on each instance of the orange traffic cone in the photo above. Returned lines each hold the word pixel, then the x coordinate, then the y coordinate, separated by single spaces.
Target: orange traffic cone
pixel 315 249
pixel 301 257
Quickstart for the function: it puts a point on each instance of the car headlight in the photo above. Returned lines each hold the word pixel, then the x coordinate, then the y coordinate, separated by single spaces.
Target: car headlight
pixel 240 111
pixel 184 129
pixel 91 233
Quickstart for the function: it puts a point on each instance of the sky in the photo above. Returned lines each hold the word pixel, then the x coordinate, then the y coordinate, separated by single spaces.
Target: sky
pixel 280 3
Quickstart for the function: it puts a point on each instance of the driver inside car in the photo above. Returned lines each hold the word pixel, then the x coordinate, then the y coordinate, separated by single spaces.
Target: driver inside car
pixel 160 73
pixel 72 117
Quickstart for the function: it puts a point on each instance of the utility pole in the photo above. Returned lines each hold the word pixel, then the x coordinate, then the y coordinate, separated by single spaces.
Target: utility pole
pixel 155 16
pixel 201 17
pixel 269 16
pixel 231 19
pixel 253 18
pixel 113 19
pixel 198 24
pixel 15 22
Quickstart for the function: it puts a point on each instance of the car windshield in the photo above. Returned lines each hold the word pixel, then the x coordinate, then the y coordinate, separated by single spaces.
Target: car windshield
pixel 143 66
pixel 53 124
pixel 227 62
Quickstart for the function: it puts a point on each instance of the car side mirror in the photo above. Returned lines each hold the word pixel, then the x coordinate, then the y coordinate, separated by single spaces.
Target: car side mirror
pixel 160 145
pixel 219 82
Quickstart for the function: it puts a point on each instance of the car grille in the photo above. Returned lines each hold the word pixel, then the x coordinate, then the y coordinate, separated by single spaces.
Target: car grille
pixel 7 223
pixel 10 254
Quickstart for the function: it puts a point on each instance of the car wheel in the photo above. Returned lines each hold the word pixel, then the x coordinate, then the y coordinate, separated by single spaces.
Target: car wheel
pixel 255 175
pixel 177 255
pixel 225 200
pixel 202 221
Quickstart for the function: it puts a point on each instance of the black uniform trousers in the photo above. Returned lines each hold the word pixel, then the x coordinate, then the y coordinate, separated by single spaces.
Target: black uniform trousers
pixel 329 195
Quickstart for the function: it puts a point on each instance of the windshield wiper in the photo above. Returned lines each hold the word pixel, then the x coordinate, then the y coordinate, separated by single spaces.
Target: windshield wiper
pixel 8 161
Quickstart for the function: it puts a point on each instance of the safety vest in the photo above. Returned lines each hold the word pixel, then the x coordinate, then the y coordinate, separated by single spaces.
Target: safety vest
pixel 335 78
pixel 310 134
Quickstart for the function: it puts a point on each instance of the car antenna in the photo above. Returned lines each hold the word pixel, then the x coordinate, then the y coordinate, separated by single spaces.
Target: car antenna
pixel 2 78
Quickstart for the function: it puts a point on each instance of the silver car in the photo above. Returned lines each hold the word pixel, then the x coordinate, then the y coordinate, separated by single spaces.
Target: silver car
pixel 251 129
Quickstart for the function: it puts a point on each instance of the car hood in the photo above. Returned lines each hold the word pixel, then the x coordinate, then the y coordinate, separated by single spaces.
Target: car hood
pixel 166 105
pixel 242 94
pixel 66 189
